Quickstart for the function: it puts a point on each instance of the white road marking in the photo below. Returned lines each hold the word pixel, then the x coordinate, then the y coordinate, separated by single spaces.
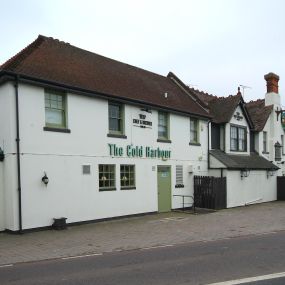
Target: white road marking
pixel 80 256
pixel 159 246
pixel 251 279
pixel 6 265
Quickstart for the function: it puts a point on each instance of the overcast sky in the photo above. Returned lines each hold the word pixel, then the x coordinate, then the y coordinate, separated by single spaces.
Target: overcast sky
pixel 213 45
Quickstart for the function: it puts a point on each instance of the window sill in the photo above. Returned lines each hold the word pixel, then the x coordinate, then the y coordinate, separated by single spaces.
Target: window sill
pixel 58 130
pixel 117 136
pixel 107 189
pixel 194 143
pixel 164 140
pixel 128 188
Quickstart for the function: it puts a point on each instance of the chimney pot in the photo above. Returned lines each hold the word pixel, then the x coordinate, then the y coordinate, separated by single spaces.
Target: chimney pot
pixel 272 82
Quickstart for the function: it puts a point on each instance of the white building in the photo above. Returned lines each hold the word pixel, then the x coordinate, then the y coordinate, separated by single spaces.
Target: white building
pixel 109 137
pixel 87 138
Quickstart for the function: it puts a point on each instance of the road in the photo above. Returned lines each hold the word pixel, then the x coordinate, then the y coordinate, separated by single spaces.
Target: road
pixel 191 263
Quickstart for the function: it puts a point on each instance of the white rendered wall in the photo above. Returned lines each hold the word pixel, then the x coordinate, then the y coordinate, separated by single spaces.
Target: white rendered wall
pixel 256 188
pixel 274 128
pixel 61 156
pixel 242 123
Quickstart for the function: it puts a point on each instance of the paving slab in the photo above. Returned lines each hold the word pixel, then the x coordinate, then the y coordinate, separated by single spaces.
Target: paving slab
pixel 141 232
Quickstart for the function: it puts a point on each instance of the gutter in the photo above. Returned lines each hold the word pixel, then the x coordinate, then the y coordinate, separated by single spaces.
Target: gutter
pixel 80 91
pixel 18 154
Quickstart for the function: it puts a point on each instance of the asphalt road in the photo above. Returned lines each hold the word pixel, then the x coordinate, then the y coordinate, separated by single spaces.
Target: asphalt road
pixel 191 263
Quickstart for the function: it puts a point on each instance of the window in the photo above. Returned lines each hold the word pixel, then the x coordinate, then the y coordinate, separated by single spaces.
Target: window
pixel 194 131
pixel 55 109
pixel 107 177
pixel 163 126
pixel 179 176
pixel 282 143
pixel 238 138
pixel 128 176
pixel 278 147
pixel 264 141
pixel 116 119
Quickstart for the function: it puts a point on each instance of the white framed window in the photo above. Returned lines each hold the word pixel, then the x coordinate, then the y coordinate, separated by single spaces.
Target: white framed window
pixel 238 140
pixel 128 176
pixel 55 109
pixel 107 177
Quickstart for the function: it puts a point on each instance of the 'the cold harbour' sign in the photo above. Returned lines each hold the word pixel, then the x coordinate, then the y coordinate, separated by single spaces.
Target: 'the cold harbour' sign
pixel 139 151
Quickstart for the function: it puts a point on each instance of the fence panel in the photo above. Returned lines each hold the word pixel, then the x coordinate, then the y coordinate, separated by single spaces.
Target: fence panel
pixel 210 192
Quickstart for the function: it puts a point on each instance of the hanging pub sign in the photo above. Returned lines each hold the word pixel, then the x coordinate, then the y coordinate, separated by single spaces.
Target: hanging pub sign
pixel 283 119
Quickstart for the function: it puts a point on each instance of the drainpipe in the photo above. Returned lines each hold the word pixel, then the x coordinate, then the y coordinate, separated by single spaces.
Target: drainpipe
pixel 18 154
pixel 209 145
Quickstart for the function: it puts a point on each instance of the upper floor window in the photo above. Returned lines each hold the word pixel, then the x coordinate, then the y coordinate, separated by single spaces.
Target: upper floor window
pixel 238 138
pixel 194 132
pixel 116 118
pixel 264 142
pixel 55 109
pixel 163 126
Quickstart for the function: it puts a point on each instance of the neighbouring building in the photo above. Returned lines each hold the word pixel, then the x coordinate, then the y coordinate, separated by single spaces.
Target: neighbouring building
pixel 86 137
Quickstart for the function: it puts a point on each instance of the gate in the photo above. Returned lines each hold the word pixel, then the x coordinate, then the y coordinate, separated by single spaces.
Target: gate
pixel 281 188
pixel 210 192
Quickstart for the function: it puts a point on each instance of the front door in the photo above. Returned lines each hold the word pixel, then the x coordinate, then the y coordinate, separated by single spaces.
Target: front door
pixel 164 188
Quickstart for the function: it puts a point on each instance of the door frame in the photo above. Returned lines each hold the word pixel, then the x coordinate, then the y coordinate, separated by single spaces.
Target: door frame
pixel 169 167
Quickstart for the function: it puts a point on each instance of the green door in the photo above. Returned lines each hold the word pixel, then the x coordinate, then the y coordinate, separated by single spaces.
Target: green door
pixel 164 188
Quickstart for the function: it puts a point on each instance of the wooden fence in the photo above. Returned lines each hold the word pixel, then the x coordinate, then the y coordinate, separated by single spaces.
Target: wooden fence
pixel 210 192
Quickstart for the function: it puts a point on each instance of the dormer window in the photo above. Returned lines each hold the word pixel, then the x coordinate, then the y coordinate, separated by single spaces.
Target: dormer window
pixel 238 138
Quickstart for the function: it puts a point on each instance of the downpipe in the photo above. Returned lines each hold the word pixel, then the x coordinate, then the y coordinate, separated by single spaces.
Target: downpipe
pixel 18 155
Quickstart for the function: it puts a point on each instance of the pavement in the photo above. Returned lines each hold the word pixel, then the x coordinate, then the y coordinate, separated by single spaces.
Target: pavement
pixel 142 232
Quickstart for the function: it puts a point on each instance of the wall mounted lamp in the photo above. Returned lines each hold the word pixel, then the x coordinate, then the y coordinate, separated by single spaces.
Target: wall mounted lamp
pixel 244 173
pixel 270 172
pixel 45 179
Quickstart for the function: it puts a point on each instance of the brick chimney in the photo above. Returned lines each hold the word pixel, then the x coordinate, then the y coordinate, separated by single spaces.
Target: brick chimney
pixel 272 82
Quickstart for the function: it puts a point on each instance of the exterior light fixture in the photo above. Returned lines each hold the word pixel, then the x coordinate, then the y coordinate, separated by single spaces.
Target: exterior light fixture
pixel 270 172
pixel 244 173
pixel 45 179
pixel 1 154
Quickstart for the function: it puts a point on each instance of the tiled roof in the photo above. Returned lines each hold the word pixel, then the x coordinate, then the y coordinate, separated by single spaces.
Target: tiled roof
pixel 59 62
pixel 252 161
pixel 221 108
pixel 259 113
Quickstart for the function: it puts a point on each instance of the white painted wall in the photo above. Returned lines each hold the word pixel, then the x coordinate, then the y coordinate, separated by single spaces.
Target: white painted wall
pixel 255 188
pixel 61 156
